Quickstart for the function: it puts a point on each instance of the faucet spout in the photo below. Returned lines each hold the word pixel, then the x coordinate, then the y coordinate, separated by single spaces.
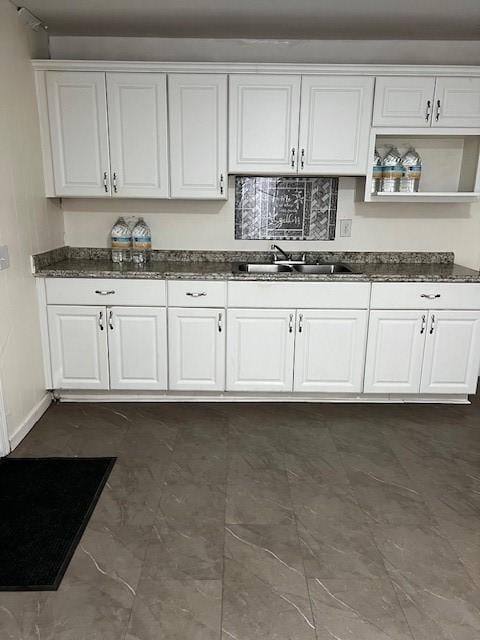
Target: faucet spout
pixel 275 247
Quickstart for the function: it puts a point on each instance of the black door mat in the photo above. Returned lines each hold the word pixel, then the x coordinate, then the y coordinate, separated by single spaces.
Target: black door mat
pixel 45 505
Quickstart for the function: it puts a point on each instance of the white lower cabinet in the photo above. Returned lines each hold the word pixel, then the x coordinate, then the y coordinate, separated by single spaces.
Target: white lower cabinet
pixel 78 347
pixel 421 351
pixel 330 350
pixel 137 343
pixel 196 348
pixel 260 349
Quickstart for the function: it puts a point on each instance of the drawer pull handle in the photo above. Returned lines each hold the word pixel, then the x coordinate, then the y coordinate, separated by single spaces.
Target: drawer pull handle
pixel 110 320
pixel 105 293
pixel 432 326
pixel 300 323
pixel 220 325
pixel 424 324
pixel 100 320
pixel 196 294
pixel 430 296
pixel 290 323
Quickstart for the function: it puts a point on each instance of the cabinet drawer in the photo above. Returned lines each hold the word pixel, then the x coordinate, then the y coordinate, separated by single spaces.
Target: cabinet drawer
pixel 425 295
pixel 81 291
pixel 303 295
pixel 197 293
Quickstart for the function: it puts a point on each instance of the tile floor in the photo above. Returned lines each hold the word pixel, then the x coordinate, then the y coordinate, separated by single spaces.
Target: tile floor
pixel 267 522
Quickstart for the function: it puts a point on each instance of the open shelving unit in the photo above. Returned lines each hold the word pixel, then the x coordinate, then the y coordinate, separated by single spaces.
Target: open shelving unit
pixel 450 164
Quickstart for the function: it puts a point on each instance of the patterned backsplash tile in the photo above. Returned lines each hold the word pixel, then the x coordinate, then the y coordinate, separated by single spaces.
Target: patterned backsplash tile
pixel 285 208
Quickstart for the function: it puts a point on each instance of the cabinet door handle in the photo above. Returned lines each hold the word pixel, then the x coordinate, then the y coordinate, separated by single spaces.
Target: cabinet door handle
pixel 105 181
pixel 220 322
pixel 221 184
pixel 300 323
pixel 290 323
pixel 432 326
pixel 195 294
pixel 292 159
pixel 302 159
pixel 437 111
pixel 110 320
pixel 105 293
pixel 424 324
pixel 428 111
pixel 430 296
pixel 114 181
pixel 100 321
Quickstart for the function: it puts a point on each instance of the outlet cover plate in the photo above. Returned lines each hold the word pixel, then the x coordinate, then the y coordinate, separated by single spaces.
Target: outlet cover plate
pixel 345 228
pixel 4 257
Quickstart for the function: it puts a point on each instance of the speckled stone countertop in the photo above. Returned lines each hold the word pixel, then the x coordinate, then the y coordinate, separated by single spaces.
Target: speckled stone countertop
pixel 69 262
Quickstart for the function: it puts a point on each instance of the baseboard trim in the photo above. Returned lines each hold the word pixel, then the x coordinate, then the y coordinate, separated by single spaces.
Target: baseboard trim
pixel 32 418
pixel 167 396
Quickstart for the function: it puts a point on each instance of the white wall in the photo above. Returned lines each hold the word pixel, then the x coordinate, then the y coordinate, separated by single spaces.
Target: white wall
pixel 183 224
pixel 28 222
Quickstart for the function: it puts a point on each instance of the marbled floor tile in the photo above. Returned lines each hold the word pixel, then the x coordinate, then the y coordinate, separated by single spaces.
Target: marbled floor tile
pixel 191 502
pixel 201 441
pixel 260 497
pixel 179 550
pixel 324 467
pixel 21 615
pixel 208 468
pixel 439 598
pixel 463 533
pixel 365 609
pixel 265 593
pixel 340 549
pixel 167 609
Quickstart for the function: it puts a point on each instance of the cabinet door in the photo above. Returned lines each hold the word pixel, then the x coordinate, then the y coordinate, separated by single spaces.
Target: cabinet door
pixel 457 102
pixel 260 347
pixel 137 342
pixel 198 135
pixel 395 351
pixel 335 124
pixel 137 120
pixel 452 352
pixel 330 350
pixel 264 112
pixel 403 101
pixel 77 111
pixel 78 347
pixel 196 349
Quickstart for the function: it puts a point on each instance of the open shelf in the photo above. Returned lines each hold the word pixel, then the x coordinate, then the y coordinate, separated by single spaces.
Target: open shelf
pixel 450 164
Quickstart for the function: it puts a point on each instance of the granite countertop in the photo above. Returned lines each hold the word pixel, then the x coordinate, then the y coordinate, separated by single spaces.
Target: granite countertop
pixel 69 262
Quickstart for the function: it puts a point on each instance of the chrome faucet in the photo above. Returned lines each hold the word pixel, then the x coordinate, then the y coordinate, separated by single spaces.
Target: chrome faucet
pixel 287 257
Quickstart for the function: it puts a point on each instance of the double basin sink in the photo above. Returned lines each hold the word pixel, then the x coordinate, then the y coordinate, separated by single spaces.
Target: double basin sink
pixel 253 267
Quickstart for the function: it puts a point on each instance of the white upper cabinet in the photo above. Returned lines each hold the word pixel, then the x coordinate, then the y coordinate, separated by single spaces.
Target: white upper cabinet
pixel 457 102
pixel 330 350
pixel 403 101
pixel 335 124
pixel 137 122
pixel 137 343
pixel 77 112
pixel 452 352
pixel 263 123
pixel 198 135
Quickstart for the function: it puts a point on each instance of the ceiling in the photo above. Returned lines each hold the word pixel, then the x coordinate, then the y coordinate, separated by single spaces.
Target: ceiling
pixel 264 19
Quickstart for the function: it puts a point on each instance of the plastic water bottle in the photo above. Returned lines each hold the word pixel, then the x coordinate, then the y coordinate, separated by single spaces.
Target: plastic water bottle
pixel 377 172
pixel 412 171
pixel 142 242
pixel 121 241
pixel 392 171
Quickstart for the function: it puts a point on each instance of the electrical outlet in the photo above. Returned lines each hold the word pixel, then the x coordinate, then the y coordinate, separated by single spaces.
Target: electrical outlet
pixel 4 257
pixel 345 228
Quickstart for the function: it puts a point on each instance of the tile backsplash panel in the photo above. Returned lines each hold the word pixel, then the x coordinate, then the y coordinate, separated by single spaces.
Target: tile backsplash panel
pixel 285 208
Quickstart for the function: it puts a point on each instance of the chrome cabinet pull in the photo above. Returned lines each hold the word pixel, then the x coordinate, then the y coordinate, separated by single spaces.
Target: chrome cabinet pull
pixel 100 321
pixel 292 161
pixel 290 323
pixel 221 184
pixel 430 296
pixel 300 323
pixel 424 324
pixel 105 293
pixel 105 182
pixel 432 326
pixel 115 181
pixel 302 159
pixel 428 112
pixel 195 294
pixel 220 322
pixel 110 320
pixel 437 112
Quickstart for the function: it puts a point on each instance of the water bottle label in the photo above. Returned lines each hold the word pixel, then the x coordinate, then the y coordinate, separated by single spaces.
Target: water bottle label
pixel 413 172
pixel 377 171
pixel 393 173
pixel 119 242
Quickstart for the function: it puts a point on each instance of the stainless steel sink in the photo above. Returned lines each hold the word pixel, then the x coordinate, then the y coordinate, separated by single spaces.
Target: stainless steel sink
pixel 253 267
pixel 322 268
